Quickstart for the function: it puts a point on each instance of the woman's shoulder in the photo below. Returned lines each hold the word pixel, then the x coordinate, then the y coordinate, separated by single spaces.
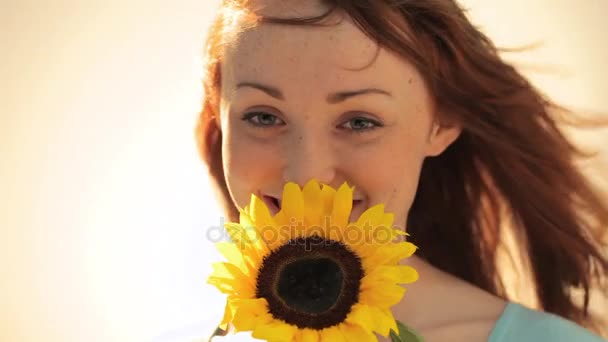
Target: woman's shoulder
pixel 460 311
pixel 442 307
pixel 521 324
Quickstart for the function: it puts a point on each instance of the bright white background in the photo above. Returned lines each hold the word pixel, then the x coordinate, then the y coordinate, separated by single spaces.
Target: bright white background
pixel 104 202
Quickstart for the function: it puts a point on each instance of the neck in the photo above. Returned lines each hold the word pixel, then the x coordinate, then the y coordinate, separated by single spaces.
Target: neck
pixel 422 295
pixel 438 297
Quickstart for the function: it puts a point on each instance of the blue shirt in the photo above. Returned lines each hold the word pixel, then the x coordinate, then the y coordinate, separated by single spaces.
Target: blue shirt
pixel 520 324
pixel 516 324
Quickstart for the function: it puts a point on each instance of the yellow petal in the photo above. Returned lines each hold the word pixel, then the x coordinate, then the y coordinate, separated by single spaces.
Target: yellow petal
pixel 280 219
pixel 406 274
pixel 313 202
pixel 381 295
pixel 353 332
pixel 387 220
pixel 308 335
pixel 279 234
pixel 247 312
pixel 359 240
pixel 408 249
pixel 401 274
pixel 237 234
pixel 275 331
pixel 247 239
pixel 327 202
pixel 342 206
pixel 332 334
pixel 372 217
pixel 266 318
pixel 361 315
pixel 235 256
pixel 327 198
pixel 266 226
pixel 390 234
pixel 388 255
pixel 384 321
pixel 231 280
pixel 292 203
pixel 245 218
pixel 227 316
pixel 233 287
pixel 231 271
pixel 244 235
pixel 384 234
pixel 232 254
pixel 260 215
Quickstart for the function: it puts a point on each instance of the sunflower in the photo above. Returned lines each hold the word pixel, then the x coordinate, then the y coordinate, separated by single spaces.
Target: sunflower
pixel 307 274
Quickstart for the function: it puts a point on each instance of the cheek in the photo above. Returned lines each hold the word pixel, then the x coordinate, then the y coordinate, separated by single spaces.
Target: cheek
pixel 396 176
pixel 247 166
pixel 403 190
pixel 391 174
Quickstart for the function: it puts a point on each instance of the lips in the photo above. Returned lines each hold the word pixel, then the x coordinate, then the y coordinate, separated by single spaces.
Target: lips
pixel 273 203
pixel 357 210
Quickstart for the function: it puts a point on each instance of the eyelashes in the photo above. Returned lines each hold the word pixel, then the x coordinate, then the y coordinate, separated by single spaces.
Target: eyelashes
pixel 265 120
pixel 368 124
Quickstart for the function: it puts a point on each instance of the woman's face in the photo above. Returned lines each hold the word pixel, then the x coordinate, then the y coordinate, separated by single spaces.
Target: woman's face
pixel 291 110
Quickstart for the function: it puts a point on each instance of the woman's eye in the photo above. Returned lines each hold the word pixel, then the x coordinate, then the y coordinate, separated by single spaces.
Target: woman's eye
pixel 360 124
pixel 262 119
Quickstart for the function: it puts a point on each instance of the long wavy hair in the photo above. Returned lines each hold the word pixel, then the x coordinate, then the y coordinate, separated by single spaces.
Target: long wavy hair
pixel 512 168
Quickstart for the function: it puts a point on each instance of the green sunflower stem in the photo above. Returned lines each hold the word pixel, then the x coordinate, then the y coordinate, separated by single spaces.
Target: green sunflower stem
pixel 406 334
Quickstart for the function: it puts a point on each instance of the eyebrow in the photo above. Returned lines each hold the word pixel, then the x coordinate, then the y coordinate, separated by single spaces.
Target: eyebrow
pixel 331 98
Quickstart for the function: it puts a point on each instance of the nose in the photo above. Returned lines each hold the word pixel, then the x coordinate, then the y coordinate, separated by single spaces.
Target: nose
pixel 307 158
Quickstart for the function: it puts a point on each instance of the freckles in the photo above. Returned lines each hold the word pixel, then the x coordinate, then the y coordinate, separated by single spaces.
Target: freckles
pixel 293 60
pixel 241 154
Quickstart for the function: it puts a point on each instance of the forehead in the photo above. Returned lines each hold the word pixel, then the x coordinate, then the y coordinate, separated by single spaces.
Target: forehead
pixel 313 59
pixel 287 8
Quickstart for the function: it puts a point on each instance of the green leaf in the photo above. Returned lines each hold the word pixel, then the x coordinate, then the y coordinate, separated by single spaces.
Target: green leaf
pixel 405 334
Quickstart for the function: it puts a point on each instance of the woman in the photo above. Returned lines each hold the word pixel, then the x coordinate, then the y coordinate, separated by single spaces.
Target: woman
pixel 411 104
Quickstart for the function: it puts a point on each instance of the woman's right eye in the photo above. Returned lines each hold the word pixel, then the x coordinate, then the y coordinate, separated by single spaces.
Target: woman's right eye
pixel 262 119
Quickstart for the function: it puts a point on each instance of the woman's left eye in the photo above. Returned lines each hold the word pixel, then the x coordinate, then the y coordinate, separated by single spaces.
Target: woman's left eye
pixel 361 124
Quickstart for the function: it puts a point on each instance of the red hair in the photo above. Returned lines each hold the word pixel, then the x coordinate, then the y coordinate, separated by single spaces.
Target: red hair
pixel 511 164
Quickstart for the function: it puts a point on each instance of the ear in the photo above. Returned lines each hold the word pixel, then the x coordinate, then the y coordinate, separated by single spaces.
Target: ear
pixel 441 137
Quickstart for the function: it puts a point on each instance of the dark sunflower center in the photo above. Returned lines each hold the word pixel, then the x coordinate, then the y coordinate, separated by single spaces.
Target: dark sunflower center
pixel 310 285
pixel 310 282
